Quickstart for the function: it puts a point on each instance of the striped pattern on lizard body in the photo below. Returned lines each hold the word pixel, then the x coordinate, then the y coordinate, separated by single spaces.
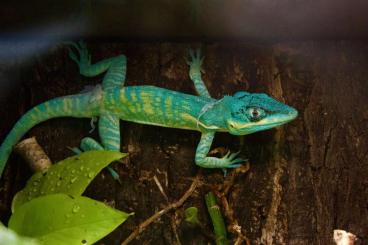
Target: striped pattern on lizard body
pixel 240 114
pixel 158 106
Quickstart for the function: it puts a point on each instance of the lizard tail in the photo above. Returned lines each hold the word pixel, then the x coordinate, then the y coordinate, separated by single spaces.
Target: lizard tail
pixel 68 106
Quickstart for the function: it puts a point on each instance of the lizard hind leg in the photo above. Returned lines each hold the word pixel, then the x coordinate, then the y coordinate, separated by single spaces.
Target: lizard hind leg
pixel 109 131
pixel 89 144
pixel 115 66
pixel 195 72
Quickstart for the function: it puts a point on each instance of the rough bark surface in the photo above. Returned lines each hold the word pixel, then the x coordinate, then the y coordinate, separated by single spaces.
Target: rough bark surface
pixel 306 178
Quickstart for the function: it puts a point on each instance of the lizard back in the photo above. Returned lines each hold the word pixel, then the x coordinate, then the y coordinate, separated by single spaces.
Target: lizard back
pixel 157 106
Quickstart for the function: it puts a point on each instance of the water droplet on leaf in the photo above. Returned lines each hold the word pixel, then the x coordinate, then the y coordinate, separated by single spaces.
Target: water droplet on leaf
pixel 76 209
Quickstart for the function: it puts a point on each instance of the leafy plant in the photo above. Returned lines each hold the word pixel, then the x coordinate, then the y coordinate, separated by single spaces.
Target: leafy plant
pixel 70 176
pixel 216 218
pixel 51 209
pixel 191 216
pixel 62 219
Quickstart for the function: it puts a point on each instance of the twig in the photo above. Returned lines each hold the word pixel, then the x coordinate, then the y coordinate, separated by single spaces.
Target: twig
pixel 233 226
pixel 141 227
pixel 159 186
pixel 175 228
pixel 172 218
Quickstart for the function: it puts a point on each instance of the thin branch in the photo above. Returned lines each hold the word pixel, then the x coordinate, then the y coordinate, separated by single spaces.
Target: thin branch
pixel 175 228
pixel 233 225
pixel 141 227
pixel 172 218
pixel 159 186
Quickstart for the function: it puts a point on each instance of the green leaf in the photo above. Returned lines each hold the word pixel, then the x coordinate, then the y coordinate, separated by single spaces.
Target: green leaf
pixel 191 215
pixel 60 219
pixel 9 237
pixel 70 176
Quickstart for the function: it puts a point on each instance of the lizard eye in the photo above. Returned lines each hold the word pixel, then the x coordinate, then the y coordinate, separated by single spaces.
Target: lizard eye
pixel 255 113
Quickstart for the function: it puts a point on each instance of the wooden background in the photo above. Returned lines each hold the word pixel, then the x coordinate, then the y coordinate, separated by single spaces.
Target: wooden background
pixel 305 179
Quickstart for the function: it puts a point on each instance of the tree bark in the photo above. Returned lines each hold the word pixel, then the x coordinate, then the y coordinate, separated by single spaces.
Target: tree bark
pixel 306 178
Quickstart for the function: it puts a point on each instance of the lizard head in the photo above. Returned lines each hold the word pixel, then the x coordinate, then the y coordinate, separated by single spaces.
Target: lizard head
pixel 252 112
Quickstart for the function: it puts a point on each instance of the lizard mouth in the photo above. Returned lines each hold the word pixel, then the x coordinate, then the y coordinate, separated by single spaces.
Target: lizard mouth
pixel 264 124
pixel 267 123
pixel 251 128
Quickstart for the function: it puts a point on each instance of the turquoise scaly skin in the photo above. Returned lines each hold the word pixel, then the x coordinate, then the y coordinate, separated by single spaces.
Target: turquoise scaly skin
pixel 240 114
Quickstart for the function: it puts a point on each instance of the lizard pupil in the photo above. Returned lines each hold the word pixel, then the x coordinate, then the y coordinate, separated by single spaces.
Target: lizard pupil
pixel 255 113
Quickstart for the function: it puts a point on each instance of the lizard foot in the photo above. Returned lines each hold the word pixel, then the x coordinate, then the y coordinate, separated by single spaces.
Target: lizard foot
pixel 195 56
pixel 230 160
pixel 84 58
pixel 195 63
pixel 88 144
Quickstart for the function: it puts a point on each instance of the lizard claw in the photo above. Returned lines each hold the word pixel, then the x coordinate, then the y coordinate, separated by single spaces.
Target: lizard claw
pixel 195 63
pixel 231 160
pixel 227 154
pixel 114 175
pixel 234 165
pixel 84 57
pixel 198 56
pixel 75 45
pixel 73 56
pixel 195 58
pixel 75 150
pixel 191 54
pixel 80 56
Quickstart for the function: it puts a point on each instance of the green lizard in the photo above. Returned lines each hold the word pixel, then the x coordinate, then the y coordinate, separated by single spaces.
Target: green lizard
pixel 240 114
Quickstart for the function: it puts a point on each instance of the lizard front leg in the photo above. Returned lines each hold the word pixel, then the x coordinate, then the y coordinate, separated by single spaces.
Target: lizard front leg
pixel 109 131
pixel 195 73
pixel 230 160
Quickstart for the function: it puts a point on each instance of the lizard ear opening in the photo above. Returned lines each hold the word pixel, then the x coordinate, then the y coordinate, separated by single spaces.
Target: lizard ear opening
pixel 241 94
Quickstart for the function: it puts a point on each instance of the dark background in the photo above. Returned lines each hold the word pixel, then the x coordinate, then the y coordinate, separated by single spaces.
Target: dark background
pixel 305 179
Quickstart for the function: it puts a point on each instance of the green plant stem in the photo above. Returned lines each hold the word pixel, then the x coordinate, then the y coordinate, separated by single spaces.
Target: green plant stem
pixel 216 218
